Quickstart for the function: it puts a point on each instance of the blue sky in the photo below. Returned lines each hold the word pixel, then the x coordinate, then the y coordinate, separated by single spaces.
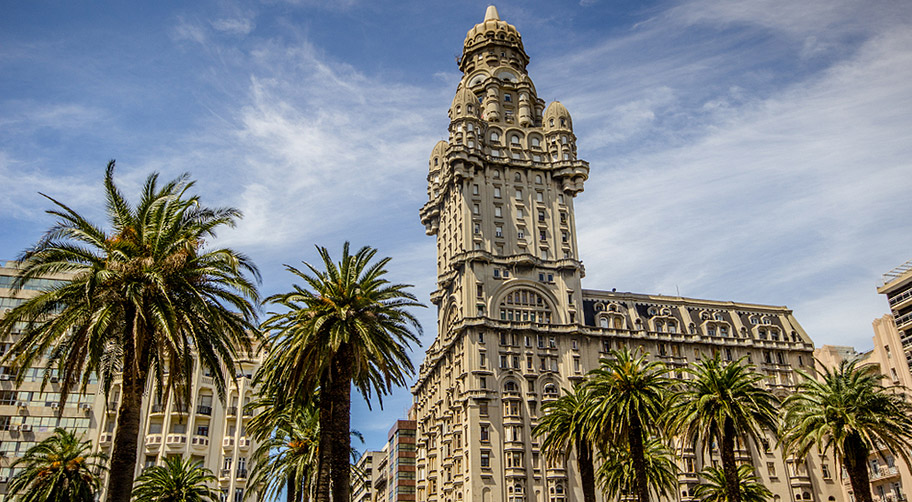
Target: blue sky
pixel 746 150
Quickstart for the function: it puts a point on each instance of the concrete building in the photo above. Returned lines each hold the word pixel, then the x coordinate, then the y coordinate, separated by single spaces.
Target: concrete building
pixel 889 475
pixel 514 322
pixel 207 431
pixel 366 474
pixel 897 286
pixel 28 415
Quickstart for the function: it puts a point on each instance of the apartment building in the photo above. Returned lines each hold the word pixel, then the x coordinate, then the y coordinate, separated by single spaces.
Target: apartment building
pixel 205 429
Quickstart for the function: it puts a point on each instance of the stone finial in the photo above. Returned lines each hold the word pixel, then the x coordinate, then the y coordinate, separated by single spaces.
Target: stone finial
pixel 491 14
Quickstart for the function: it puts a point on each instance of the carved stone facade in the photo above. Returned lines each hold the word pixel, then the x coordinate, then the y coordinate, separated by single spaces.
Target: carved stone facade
pixel 515 325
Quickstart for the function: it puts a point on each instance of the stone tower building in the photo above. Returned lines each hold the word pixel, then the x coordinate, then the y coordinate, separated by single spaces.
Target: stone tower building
pixel 515 325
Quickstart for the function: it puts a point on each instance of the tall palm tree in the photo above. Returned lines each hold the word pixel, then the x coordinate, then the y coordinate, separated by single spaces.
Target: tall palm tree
pixel 347 325
pixel 59 469
pixel 146 298
pixel 288 449
pixel 724 402
pixel 563 426
pixel 630 395
pixel 617 477
pixel 179 480
pixel 714 486
pixel 847 409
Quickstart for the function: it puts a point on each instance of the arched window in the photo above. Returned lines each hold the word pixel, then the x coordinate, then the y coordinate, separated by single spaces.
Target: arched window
pixel 495 136
pixel 525 305
pixel 549 390
pixel 510 387
pixel 536 141
pixel 517 177
pixel 603 322
pixel 514 139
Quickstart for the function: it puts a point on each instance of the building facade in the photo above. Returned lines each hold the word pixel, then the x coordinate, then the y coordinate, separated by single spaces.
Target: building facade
pixel 897 286
pixel 889 475
pixel 29 415
pixel 366 474
pixel 207 431
pixel 514 323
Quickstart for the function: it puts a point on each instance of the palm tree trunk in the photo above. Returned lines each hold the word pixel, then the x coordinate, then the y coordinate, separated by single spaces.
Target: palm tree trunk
pixel 729 466
pixel 123 457
pixel 324 459
pixel 856 464
pixel 637 454
pixel 290 485
pixel 341 426
pixel 587 470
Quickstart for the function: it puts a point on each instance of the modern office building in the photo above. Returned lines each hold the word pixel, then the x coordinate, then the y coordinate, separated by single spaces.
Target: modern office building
pixel 208 430
pixel 514 322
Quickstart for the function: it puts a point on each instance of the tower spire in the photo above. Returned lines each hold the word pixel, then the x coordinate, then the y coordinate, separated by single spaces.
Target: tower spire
pixel 491 14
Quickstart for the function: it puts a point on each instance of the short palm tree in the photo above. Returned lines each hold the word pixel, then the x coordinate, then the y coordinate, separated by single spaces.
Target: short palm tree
pixel 288 449
pixel 59 469
pixel 563 426
pixel 616 476
pixel 147 297
pixel 629 395
pixel 847 409
pixel 179 480
pixel 347 325
pixel 713 488
pixel 724 402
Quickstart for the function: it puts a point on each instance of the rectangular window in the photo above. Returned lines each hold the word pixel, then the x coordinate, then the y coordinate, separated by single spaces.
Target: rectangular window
pixel 496 272
pixel 474 189
pixel 541 216
pixel 529 364
pixel 519 213
pixel 576 365
pixel 520 235
pixel 483 408
pixel 539 196
pixel 482 359
pixel 485 434
pixel 498 211
pixel 498 231
pixel 519 195
pixel 503 362
pixel 771 469
pixel 485 459
pixel 542 236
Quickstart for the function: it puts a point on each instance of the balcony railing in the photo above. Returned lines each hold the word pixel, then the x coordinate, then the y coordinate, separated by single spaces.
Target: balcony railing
pixel 204 410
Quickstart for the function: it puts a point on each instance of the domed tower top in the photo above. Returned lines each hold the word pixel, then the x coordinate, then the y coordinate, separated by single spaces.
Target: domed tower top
pixel 557 118
pixel 465 104
pixel 493 35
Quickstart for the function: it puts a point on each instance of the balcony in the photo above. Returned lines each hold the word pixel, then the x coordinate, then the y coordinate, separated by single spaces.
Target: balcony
pixel 228 442
pixel 242 473
pixel 884 472
pixel 204 410
pixel 157 409
pixel 225 474
pixel 106 438
pixel 199 441
pixel 232 411
pixel 176 439
pixel 244 442
pixel 153 440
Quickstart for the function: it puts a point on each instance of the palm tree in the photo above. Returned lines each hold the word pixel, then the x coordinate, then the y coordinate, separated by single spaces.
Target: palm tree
pixel 348 325
pixel 59 469
pixel 288 449
pixel 714 486
pixel 146 298
pixel 179 480
pixel 562 426
pixel 616 475
pixel 629 395
pixel 847 409
pixel 724 402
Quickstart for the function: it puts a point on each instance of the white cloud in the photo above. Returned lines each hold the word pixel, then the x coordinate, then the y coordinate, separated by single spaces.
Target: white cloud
pixel 234 26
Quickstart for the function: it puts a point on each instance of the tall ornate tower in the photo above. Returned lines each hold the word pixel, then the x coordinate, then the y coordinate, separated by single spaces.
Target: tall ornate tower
pixel 500 193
